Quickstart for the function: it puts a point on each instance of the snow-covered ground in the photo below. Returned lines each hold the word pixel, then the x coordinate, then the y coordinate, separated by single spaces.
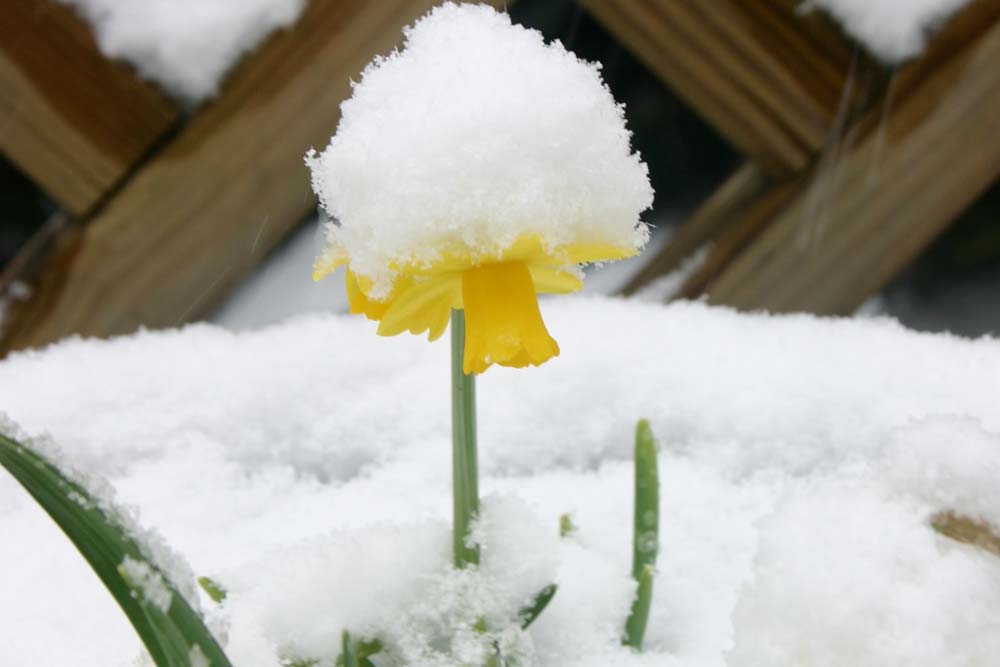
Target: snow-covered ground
pixel 306 467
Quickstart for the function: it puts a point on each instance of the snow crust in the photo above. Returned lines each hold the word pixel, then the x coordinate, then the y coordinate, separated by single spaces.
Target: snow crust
pixel 476 133
pixel 305 467
pixel 894 30
pixel 186 46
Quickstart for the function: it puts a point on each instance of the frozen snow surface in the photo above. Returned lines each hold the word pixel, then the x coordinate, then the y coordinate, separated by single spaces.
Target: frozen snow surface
pixel 306 468
pixel 480 121
pixel 186 46
pixel 894 30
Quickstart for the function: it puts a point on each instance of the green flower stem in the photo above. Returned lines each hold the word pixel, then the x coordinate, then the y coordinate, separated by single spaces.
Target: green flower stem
pixel 465 475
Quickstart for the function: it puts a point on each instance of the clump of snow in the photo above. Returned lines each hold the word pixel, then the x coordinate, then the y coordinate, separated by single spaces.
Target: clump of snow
pixel 929 460
pixel 827 599
pixel 396 583
pixel 186 46
pixel 476 133
pixel 197 657
pixel 147 583
pixel 894 30
pixel 306 468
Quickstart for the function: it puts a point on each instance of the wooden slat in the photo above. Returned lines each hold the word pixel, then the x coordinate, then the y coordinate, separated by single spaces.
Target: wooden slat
pixel 755 70
pixel 912 169
pixel 738 191
pixel 188 226
pixel 69 118
pixel 741 229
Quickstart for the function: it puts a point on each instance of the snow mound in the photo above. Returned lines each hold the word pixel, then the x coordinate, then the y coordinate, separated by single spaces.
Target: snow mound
pixel 186 46
pixel 306 468
pixel 395 582
pixel 894 30
pixel 476 133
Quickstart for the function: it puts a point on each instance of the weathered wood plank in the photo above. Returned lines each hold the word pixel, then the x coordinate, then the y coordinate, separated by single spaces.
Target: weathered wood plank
pixel 187 227
pixel 755 70
pixel 907 173
pixel 69 118
pixel 741 188
pixel 739 231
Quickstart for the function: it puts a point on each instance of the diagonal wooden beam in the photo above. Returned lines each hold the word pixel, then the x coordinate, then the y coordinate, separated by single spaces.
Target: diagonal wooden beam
pixel 770 80
pixel 70 119
pixel 906 172
pixel 735 236
pixel 743 187
pixel 196 218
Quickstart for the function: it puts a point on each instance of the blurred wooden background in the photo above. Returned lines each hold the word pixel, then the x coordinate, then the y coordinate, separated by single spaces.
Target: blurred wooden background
pixel 851 170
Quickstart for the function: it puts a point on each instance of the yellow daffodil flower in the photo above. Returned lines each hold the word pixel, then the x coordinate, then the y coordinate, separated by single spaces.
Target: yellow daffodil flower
pixel 473 170
pixel 497 290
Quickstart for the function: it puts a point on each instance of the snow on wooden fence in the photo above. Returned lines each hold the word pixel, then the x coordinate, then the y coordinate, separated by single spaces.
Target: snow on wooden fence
pixel 191 220
pixel 852 169
pixel 72 120
pixel 906 152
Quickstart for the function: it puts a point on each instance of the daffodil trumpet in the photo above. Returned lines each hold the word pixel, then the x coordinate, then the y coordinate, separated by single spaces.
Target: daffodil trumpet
pixel 496 290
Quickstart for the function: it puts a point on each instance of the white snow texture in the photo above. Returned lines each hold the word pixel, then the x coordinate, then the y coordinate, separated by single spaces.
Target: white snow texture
pixel 894 30
pixel 476 133
pixel 306 468
pixel 186 46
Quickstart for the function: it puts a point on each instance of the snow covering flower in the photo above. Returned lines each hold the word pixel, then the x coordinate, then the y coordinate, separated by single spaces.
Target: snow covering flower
pixel 475 169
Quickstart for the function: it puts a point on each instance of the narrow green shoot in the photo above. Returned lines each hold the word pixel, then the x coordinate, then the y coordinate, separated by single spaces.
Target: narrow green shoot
pixel 212 589
pixel 353 653
pixel 566 526
pixel 528 614
pixel 645 538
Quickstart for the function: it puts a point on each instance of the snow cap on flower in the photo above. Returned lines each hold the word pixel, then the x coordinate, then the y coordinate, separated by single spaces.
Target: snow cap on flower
pixel 473 170
pixel 475 134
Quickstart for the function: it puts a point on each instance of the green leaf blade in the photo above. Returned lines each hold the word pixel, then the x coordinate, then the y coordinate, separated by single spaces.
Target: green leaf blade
pixel 173 636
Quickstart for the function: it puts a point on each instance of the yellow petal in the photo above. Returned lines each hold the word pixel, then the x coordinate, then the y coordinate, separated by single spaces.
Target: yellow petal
pixel 527 248
pixel 550 280
pixel 422 306
pixel 331 259
pixel 531 249
pixel 588 253
pixel 502 322
pixel 359 302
